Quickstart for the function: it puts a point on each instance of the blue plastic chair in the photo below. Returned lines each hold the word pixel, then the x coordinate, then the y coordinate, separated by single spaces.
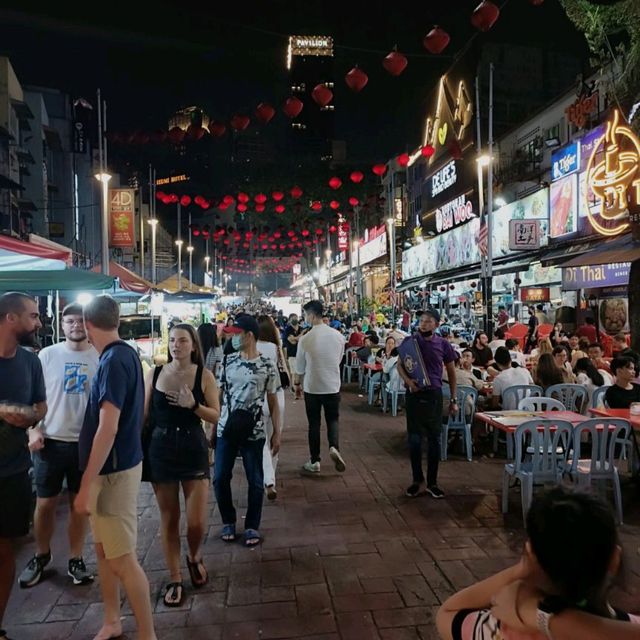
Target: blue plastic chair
pixel 511 396
pixel 540 404
pixel 597 397
pixel 573 396
pixel 373 384
pixel 461 421
pixel 537 459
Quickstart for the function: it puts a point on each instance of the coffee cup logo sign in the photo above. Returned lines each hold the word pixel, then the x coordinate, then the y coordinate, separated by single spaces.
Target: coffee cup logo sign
pixel 453 214
pixel 613 173
pixel 444 178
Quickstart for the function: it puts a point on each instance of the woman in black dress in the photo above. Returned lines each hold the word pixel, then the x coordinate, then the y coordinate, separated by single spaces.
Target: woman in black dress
pixel 179 396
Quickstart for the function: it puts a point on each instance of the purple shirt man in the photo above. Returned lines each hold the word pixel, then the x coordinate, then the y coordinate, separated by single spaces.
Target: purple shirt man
pixel 435 352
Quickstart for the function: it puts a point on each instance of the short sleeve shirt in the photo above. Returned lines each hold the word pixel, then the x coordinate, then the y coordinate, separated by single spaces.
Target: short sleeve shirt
pixel 22 382
pixel 435 353
pixel 292 349
pixel 244 384
pixel 118 380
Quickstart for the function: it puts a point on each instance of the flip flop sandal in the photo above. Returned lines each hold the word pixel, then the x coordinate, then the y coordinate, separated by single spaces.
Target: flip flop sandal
pixel 228 533
pixel 252 538
pixel 170 593
pixel 196 571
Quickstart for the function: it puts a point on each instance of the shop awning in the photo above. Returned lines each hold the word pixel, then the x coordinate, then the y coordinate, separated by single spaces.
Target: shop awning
pixel 171 284
pixel 515 266
pixel 559 255
pixel 17 255
pixel 66 280
pixel 128 280
pixel 623 249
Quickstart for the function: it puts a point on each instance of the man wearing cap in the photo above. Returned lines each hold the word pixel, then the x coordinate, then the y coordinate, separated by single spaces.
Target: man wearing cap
pixel 246 377
pixel 424 404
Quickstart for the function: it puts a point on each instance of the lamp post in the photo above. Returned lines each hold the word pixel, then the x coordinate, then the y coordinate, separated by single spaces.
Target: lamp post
pixel 104 178
pixel 392 279
pixel 179 244
pixel 327 254
pixel 220 280
pixel 190 252
pixel 358 281
pixel 154 223
pixel 206 270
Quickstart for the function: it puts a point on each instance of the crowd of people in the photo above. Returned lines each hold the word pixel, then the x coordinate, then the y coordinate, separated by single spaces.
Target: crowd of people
pixel 83 412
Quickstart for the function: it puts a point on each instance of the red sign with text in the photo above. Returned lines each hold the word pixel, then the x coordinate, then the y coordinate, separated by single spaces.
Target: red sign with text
pixel 121 217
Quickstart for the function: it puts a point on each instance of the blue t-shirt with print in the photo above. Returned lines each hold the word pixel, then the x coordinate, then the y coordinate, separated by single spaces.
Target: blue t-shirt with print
pixel 21 381
pixel 118 380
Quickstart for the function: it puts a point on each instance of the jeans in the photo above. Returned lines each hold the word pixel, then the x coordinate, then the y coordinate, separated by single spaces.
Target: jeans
pixel 226 454
pixel 314 402
pixel 424 416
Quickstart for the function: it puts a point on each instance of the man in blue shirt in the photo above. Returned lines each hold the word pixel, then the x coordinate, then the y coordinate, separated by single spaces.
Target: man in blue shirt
pixel 110 452
pixel 22 404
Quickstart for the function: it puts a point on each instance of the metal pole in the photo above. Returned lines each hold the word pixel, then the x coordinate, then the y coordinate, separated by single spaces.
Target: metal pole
pixel 490 212
pixel 103 193
pixel 358 274
pixel 179 244
pixel 154 274
pixel 392 275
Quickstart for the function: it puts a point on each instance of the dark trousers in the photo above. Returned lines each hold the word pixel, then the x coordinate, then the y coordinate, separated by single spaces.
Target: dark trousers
pixel 226 454
pixel 424 417
pixel 314 403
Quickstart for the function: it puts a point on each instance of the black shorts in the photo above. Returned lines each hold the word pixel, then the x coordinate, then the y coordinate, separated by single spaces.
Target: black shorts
pixel 15 505
pixel 178 453
pixel 51 465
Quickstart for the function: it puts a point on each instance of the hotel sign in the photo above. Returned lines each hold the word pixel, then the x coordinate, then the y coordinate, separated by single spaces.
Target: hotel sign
pixel 172 180
pixel 613 174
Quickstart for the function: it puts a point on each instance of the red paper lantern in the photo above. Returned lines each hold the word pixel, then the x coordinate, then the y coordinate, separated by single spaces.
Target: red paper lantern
pixel 379 169
pixel 228 200
pixel 357 177
pixel 279 208
pixel 195 230
pixel 333 228
pixel 536 3
pixel 206 231
pixel 274 247
pixel 264 246
pixel 356 79
pixel 305 233
pixel 316 205
pixel 485 15
pixel 173 198
pixel 403 159
pixel 436 40
pixel 242 208
pixel 260 208
pixel 185 201
pixel 260 198
pixel 194 132
pixel 296 192
pixel 265 112
pixel 319 231
pixel 395 63
pixel 176 135
pixel 353 201
pixel 160 195
pixel 292 107
pixel 291 234
pixel 322 95
pixel 240 122
pixel 205 204
pixel 217 129
pixel 335 182
pixel 245 245
pixel 334 204
pixel 277 196
pixel 427 151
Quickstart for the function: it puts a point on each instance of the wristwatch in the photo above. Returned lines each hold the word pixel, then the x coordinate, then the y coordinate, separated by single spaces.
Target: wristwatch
pixel 548 606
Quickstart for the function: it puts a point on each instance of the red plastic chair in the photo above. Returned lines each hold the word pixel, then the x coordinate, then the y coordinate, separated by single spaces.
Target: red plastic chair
pixel 544 330
pixel 519 332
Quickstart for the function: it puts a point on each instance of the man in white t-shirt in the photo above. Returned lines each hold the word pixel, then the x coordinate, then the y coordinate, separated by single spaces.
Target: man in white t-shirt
pixel 510 375
pixel 318 359
pixel 68 369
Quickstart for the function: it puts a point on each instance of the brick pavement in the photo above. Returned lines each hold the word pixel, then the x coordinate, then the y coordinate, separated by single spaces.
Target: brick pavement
pixel 344 556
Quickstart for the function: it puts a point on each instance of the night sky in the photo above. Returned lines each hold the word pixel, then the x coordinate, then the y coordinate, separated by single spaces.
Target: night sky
pixel 230 56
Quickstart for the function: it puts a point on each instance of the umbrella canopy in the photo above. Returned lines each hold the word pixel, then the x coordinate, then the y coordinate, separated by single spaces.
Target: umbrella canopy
pixel 66 280
pixel 127 279
pixel 17 255
pixel 171 284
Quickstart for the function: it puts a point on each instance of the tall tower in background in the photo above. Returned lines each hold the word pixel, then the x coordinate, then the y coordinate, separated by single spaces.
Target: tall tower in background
pixel 310 62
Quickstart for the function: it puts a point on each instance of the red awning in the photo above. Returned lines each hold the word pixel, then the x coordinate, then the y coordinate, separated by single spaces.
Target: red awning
pixel 127 279
pixel 35 249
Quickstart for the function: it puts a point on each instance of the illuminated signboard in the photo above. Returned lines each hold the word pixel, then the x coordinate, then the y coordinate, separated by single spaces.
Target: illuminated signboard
pixel 614 179
pixel 579 112
pixel 172 180
pixel 602 275
pixel 454 213
pixel 565 161
pixel 309 46
pixel 524 235
pixel 373 247
pixel 343 235
pixel 121 217
pixel 444 178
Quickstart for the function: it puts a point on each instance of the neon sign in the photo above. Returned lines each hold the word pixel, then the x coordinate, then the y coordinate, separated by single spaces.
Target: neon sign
pixel 578 113
pixel 615 179
pixel 444 178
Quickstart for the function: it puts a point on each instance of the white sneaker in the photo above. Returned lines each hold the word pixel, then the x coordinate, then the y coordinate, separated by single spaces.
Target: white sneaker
pixel 334 454
pixel 311 468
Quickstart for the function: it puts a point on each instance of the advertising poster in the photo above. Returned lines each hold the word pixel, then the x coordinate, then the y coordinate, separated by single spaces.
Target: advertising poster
pixel 121 217
pixel 614 315
pixel 564 207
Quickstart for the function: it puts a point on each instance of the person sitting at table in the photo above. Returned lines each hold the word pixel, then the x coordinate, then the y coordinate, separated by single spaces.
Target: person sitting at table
pixel 579 348
pixel 596 353
pixel 547 373
pixel 466 373
pixel 558 335
pixel 498 340
pixel 623 392
pixel 544 346
pixel 589 377
pixel 365 353
pixel 515 351
pixel 620 346
pixel 390 370
pixel 510 374
pixel 561 358
pixel 559 588
pixel 356 339
pixel 481 350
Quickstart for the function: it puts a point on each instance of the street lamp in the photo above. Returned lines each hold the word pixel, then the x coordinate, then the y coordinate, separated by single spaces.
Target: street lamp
pixel 190 251
pixel 206 270
pixel 356 249
pixel 104 181
pixel 220 270
pixel 327 254
pixel 484 160
pixel 154 223
pixel 179 244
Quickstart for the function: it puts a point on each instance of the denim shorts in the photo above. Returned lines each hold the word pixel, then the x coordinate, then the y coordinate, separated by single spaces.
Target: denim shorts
pixel 52 464
pixel 15 505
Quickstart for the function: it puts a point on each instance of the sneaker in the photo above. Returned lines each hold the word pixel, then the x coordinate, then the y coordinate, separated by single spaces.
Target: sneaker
pixel 435 492
pixel 312 468
pixel 78 571
pixel 32 573
pixel 334 454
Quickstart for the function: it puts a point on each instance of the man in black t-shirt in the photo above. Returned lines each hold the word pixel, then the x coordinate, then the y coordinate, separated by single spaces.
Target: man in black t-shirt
pixel 621 394
pixel 292 335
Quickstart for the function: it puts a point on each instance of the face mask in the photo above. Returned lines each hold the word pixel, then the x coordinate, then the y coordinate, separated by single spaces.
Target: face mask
pixel 294 323
pixel 426 334
pixel 236 342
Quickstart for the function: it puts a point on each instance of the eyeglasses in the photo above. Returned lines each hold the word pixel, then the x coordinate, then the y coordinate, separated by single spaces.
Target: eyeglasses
pixel 71 323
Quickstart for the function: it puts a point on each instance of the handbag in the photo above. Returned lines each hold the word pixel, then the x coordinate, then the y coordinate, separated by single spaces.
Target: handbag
pixel 285 382
pixel 240 422
pixel 413 363
pixel 147 432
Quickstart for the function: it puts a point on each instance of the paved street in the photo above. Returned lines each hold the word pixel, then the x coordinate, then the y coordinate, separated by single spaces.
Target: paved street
pixel 344 556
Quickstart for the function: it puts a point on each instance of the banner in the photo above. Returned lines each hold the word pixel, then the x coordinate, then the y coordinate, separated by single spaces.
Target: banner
pixel 343 236
pixel 600 275
pixel 121 217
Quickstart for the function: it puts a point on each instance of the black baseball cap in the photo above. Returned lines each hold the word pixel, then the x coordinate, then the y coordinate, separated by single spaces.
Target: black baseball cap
pixel 431 312
pixel 246 323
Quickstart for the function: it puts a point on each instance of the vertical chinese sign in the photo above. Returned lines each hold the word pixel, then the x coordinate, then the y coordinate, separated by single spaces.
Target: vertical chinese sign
pixel 121 217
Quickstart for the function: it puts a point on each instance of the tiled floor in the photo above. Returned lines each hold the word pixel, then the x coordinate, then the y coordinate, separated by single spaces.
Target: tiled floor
pixel 344 555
